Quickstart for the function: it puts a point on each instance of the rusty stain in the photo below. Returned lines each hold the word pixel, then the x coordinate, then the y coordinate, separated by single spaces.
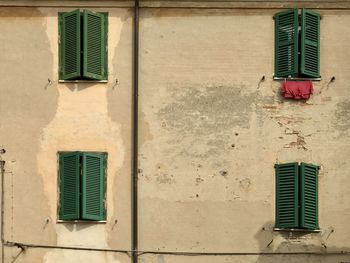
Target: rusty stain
pixel 271 106
pixel 299 143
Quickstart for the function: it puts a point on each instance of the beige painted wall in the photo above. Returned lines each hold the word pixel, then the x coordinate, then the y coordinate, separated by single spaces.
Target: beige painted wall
pixel 209 136
pixel 215 135
pixel 38 120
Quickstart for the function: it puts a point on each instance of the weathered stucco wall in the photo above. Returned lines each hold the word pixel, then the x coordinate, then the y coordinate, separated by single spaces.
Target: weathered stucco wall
pixel 38 120
pixel 210 134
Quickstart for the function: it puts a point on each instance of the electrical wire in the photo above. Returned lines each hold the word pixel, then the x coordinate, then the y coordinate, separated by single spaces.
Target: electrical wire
pixel 175 253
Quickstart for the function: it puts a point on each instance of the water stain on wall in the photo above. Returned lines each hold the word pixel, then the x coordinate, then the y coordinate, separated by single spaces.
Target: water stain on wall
pixel 342 116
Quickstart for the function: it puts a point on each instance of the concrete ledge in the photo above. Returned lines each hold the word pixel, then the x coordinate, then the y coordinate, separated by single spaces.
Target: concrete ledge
pixel 83 81
pixel 239 4
pixel 81 221
pixel 301 230
pixel 311 79
pixel 66 3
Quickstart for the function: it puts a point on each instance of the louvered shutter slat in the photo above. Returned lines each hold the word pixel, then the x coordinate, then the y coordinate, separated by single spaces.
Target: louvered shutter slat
pixel 309 196
pixel 310 43
pixel 287 195
pixel 94 46
pixel 69 185
pixel 70 59
pixel 93 186
pixel 286 43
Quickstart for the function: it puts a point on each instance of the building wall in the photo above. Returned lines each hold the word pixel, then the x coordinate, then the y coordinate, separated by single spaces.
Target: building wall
pixel 210 134
pixel 215 133
pixel 38 120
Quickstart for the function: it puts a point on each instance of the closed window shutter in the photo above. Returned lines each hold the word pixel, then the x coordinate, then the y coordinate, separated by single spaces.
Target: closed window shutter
pixel 310 43
pixel 69 170
pixel 287 195
pixel 286 43
pixel 93 187
pixel 70 45
pixel 309 196
pixel 94 46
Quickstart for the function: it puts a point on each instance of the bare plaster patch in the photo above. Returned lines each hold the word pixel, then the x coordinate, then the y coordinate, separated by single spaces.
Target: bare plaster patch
pixel 81 123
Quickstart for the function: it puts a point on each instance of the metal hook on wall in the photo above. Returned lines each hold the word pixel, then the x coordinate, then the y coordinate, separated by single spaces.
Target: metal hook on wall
pixel 261 80
pixel 49 83
pixel 331 81
pixel 116 83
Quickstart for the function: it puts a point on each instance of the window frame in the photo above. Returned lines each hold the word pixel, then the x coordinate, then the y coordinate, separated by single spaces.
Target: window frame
pixel 295 176
pixel 301 39
pixel 81 79
pixel 104 156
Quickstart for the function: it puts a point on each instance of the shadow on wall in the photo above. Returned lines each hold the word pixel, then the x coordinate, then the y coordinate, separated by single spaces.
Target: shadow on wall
pixel 271 241
pixel 74 227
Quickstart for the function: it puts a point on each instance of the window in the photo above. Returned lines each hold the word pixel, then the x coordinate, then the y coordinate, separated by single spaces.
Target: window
pixel 296 196
pixel 83 45
pixel 82 185
pixel 297 44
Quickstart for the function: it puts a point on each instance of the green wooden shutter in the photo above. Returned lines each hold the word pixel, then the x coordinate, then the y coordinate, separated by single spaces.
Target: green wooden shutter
pixel 93 188
pixel 69 45
pixel 309 196
pixel 95 46
pixel 69 170
pixel 310 43
pixel 287 195
pixel 286 43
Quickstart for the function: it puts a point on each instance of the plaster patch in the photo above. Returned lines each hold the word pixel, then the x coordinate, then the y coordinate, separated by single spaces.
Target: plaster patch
pixel 74 128
pixel 81 123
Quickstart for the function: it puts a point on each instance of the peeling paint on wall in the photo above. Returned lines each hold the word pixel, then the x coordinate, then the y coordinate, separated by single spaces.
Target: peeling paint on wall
pixel 210 133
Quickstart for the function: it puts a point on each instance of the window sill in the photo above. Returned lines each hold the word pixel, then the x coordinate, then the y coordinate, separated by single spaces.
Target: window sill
pixel 297 230
pixel 83 81
pixel 82 221
pixel 311 79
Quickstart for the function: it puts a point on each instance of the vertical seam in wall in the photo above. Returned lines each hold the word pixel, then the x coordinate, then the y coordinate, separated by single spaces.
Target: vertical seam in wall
pixel 134 188
pixel 2 164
